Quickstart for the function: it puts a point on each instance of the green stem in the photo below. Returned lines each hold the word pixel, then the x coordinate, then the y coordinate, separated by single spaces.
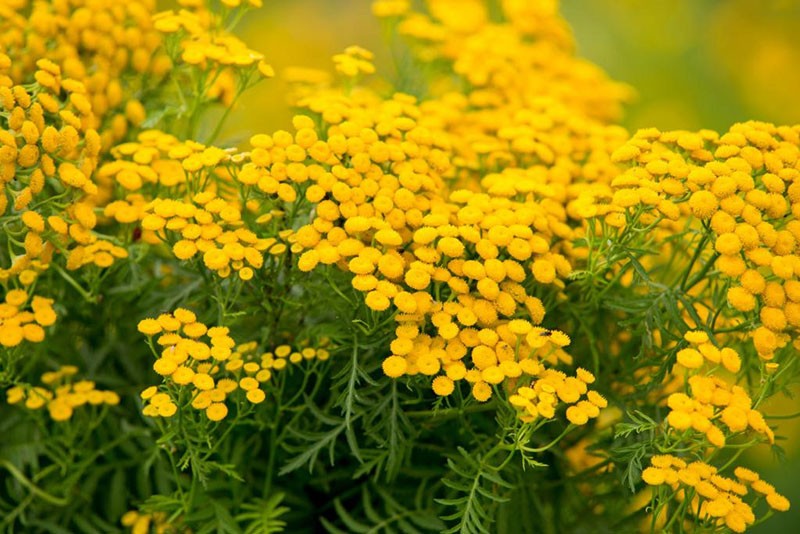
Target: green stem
pixel 451 412
pixel 546 447
pixel 698 251
pixel 223 119
pixel 678 513
pixel 22 479
pixel 71 281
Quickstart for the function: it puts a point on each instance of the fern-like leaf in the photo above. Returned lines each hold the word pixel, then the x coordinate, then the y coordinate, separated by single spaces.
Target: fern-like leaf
pixel 263 516
pixel 378 512
pixel 478 487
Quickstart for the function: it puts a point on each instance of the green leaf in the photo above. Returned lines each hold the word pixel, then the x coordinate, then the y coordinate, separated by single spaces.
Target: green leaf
pixel 377 511
pixel 479 488
pixel 263 516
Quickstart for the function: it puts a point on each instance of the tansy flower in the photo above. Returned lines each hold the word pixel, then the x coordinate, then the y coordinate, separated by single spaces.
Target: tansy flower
pixel 443 386
pixel 217 411
pixel 394 366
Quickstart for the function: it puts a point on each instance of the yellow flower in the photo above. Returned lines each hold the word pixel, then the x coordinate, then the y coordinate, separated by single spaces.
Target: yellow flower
pixel 728 244
pixel 778 502
pixel 215 259
pixel 741 299
pixel 59 410
pixel 765 341
pixel 417 279
pixel 217 411
pixel 377 301
pixel 703 204
pixel 520 327
pixel 443 386
pixel 203 381
pixel 625 153
pixel 730 360
pixel 153 222
pixel 165 366
pixel 481 391
pixel 679 420
pixel 256 396
pixel 653 476
pixel 597 399
pixel 577 416
pixel 690 358
pixel 394 366
pixel 149 327
pixel 715 437
pixel 584 375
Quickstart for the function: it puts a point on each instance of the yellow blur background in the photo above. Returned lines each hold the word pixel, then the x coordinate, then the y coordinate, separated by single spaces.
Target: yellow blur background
pixel 694 64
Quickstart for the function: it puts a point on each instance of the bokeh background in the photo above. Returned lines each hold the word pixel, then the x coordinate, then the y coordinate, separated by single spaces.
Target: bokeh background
pixel 694 64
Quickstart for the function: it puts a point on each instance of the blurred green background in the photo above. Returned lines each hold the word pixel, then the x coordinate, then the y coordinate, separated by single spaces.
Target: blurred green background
pixel 694 64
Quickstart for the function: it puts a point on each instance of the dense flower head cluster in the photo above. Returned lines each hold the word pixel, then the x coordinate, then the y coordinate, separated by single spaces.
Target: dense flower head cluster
pixel 741 186
pixel 111 48
pixel 61 394
pixel 715 498
pixel 211 228
pixel 475 250
pixel 714 400
pixel 159 160
pixel 204 366
pixel 23 317
pixel 454 266
pixel 702 351
pixel 49 154
pixel 452 258
pixel 520 103
pixel 551 388
pixel 225 206
pixel 195 36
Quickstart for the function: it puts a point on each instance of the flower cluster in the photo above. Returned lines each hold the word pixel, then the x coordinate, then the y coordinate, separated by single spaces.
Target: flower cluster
pixel 111 49
pixel 206 373
pixel 714 498
pixel 702 351
pixel 453 264
pixel 551 388
pixel 61 394
pixel 196 38
pixel 18 323
pixel 354 61
pixel 456 262
pixel 49 153
pixel 156 161
pixel 713 399
pixel 204 215
pixel 741 186
pixel 523 99
pixel 211 227
pixel 160 160
pixel 523 54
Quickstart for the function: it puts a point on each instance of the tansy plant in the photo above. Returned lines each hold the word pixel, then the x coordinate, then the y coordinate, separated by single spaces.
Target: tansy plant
pixel 469 303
